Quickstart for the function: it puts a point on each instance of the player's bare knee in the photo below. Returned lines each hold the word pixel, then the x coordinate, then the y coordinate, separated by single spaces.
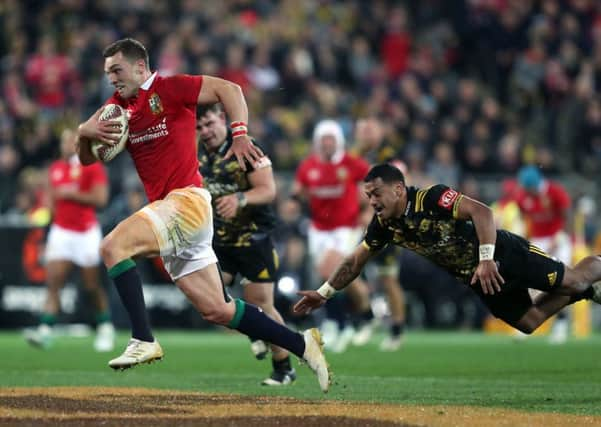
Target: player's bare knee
pixel 110 251
pixel 217 312
pixel 217 315
pixel 262 301
pixel 575 281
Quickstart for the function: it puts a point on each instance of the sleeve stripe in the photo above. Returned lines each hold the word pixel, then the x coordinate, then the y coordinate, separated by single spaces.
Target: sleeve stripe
pixel 456 206
pixel 419 200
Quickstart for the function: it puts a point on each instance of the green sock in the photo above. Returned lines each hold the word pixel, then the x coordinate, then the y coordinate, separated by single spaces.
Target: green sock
pixel 103 317
pixel 48 319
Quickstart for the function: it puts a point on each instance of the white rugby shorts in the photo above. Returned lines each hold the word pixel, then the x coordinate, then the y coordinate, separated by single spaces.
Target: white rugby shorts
pixel 343 240
pixel 82 248
pixel 183 225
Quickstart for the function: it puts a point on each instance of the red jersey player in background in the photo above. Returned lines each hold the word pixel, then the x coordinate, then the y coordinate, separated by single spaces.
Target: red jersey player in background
pixel 329 179
pixel 76 192
pixel 545 206
pixel 178 222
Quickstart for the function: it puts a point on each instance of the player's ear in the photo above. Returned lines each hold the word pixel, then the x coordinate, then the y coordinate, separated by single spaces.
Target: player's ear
pixel 141 66
pixel 399 189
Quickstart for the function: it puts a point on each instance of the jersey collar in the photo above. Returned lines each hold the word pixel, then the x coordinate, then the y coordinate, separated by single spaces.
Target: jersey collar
pixel 146 85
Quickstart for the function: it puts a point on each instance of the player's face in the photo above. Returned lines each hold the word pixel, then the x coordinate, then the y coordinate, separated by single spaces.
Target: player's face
pixel 327 146
pixel 387 200
pixel 369 132
pixel 125 75
pixel 212 130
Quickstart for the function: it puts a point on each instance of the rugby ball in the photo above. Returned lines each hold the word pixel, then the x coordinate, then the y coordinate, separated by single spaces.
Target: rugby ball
pixel 106 152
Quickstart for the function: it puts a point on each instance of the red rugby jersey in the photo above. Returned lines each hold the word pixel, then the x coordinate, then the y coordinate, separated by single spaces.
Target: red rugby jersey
pixel 332 190
pixel 162 133
pixel 545 212
pixel 70 214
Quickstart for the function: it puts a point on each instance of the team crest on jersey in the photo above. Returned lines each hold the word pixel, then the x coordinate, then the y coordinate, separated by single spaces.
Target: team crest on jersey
pixel 57 175
pixel 448 198
pixel 313 174
pixel 342 173
pixel 74 172
pixel 156 106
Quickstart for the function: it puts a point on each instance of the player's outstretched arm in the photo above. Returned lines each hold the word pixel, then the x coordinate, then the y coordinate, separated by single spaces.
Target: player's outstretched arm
pixel 230 95
pixel 346 272
pixel 487 273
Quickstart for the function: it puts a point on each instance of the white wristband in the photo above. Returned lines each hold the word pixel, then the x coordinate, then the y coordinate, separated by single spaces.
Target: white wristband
pixel 326 290
pixel 487 252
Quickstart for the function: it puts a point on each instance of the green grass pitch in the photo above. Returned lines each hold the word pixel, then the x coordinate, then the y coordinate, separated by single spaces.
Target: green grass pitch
pixel 449 368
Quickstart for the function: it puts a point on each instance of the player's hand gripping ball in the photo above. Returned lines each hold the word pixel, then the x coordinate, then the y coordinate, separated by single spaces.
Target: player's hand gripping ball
pixel 106 152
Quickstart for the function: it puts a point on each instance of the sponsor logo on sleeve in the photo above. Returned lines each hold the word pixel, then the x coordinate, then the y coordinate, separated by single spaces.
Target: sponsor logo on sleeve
pixel 448 198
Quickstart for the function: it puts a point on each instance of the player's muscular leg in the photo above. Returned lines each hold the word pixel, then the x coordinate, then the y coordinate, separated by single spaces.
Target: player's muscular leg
pixel 543 307
pixel 580 277
pixel 203 288
pixel 56 275
pixel 261 295
pixel 396 299
pixel 131 237
pixel 91 281
pixel 576 280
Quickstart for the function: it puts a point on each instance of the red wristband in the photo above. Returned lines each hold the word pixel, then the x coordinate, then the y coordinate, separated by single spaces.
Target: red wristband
pixel 238 129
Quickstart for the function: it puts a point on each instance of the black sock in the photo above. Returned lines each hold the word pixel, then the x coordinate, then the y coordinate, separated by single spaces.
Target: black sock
pixel 336 310
pixel 283 365
pixel 129 286
pixel 367 315
pixel 251 321
pixel 396 329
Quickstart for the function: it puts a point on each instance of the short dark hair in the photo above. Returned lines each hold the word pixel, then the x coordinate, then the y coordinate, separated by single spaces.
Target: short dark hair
pixel 130 48
pixel 388 173
pixel 203 109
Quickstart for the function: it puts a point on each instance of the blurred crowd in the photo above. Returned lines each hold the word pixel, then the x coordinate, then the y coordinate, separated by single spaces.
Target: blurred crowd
pixel 465 88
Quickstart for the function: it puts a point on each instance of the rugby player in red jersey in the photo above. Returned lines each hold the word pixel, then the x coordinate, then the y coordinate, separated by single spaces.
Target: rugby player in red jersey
pixel 74 239
pixel 329 180
pixel 178 222
pixel 545 207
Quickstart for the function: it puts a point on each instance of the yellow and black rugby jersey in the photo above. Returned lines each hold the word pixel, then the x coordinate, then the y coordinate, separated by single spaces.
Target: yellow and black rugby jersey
pixel 222 177
pixel 429 227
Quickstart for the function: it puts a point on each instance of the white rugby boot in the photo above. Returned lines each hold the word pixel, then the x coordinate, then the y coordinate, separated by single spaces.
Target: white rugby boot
pixel 392 342
pixel 315 358
pixel 559 332
pixel 105 337
pixel 40 337
pixel 364 333
pixel 344 339
pixel 259 349
pixel 136 353
pixel 329 333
